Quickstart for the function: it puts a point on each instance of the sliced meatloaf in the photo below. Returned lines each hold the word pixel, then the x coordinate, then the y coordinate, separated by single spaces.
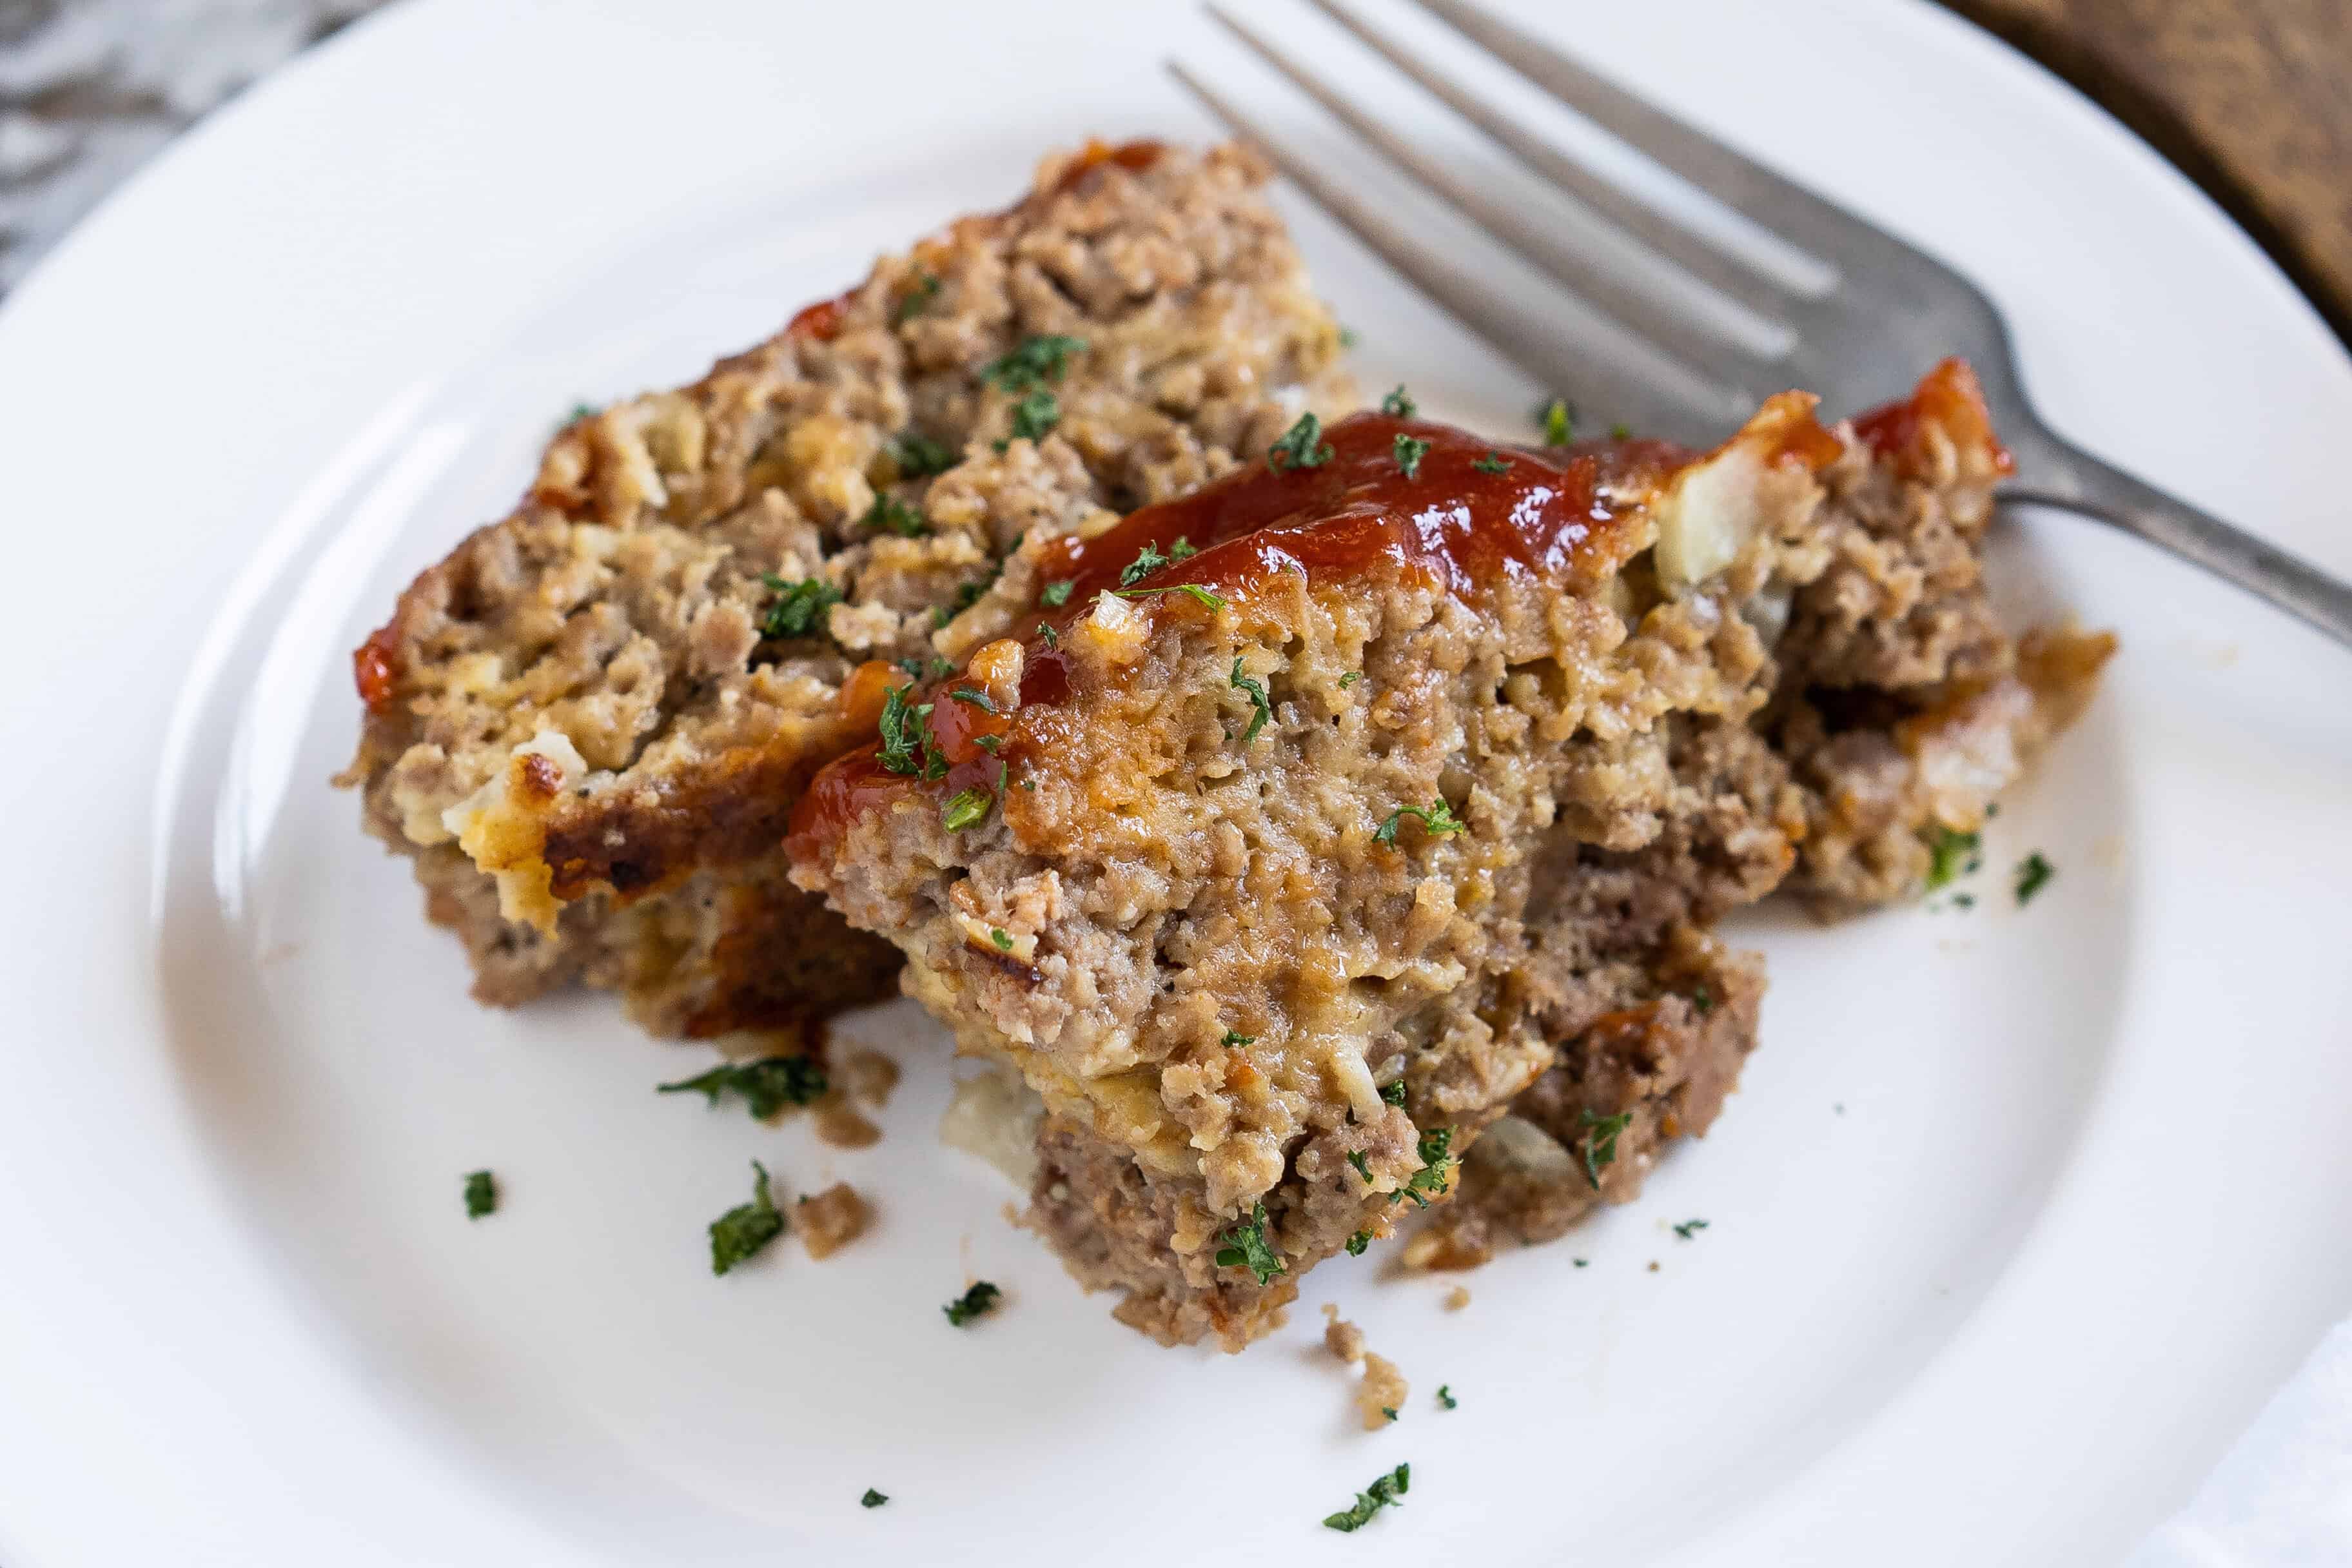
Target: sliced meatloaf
pixel 588 724
pixel 1283 835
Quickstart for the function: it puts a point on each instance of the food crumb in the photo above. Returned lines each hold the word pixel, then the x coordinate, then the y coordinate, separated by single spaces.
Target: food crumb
pixel 1383 1391
pixel 832 1219
pixel 839 1124
pixel 1653 1266
pixel 873 1498
pixel 869 1076
pixel 1457 1298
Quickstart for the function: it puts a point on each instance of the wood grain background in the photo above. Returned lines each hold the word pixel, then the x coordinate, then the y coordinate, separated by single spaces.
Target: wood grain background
pixel 2252 98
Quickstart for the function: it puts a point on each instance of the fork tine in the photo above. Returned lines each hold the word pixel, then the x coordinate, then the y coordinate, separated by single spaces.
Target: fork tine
pixel 1857 249
pixel 1718 353
pixel 1730 275
pixel 1557 358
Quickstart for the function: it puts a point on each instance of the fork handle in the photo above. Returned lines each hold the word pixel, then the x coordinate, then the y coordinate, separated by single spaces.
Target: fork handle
pixel 2052 471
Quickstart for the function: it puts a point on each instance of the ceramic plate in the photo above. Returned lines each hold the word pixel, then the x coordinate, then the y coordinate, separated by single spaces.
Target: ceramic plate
pixel 2018 1216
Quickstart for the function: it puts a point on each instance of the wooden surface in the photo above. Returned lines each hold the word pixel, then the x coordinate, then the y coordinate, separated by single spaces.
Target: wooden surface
pixel 2252 99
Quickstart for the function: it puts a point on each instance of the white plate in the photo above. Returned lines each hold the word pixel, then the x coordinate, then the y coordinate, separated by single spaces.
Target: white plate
pixel 2083 1205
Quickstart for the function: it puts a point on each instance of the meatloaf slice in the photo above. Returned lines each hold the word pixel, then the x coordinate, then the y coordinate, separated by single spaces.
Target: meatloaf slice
pixel 1283 837
pixel 588 724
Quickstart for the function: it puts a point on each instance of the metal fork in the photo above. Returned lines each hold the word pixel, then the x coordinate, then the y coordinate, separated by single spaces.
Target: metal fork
pixel 1885 313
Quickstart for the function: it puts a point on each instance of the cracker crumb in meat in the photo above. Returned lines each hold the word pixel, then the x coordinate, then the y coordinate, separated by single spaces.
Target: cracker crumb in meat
pixel 586 725
pixel 832 1219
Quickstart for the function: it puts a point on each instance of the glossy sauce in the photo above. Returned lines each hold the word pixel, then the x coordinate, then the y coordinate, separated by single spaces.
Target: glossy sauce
pixel 1455 522
pixel 1949 395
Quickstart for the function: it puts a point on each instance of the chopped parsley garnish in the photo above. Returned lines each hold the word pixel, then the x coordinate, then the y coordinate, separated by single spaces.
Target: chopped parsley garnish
pixel 1056 594
pixel 1235 1038
pixel 1264 710
pixel 873 1498
pixel 1363 1168
pixel 913 302
pixel 1246 1247
pixel 1445 1395
pixel 1689 1228
pixel 1038 359
pixel 966 808
pixel 1347 338
pixel 919 456
pixel 481 1194
pixel 1620 432
pixel 1357 1242
pixel 1410 450
pixel 976 1302
pixel 1394 1093
pixel 1001 938
pixel 2033 874
pixel 1436 819
pixel 1599 1144
pixel 767 1085
pixel 1389 1411
pixel 1949 853
pixel 1558 423
pixel 800 608
pixel 1400 403
pixel 1351 679
pixel 907 748
pixel 1436 1168
pixel 1147 561
pixel 582 411
pixel 1384 1492
pixel 974 698
pixel 1301 446
pixel 743 1230
pixel 1703 1001
pixel 1048 636
pixel 888 514
pixel 1035 416
pixel 1181 550
pixel 1190 590
pixel 1493 463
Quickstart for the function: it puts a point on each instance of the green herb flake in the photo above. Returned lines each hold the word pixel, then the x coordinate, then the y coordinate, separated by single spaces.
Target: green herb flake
pixel 1386 1491
pixel 1410 450
pixel 1056 594
pixel 976 1302
pixel 1703 1001
pixel 1400 404
pixel 2033 874
pixel 1620 432
pixel 743 1230
pixel 1038 359
pixel 966 808
pixel 1351 679
pixel 1436 819
pixel 1245 1247
pixel 1949 854
pixel 1347 338
pixel 1357 1242
pixel 1599 1144
pixel 1035 416
pixel 873 1498
pixel 1147 561
pixel 1689 1228
pixel 919 456
pixel 973 697
pixel 1301 446
pixel 766 1085
pixel 1493 463
pixel 800 608
pixel 1235 1038
pixel 1436 1169
pixel 1262 709
pixel 1394 1093
pixel 1001 938
pixel 908 747
pixel 1181 550
pixel 916 299
pixel 1363 1167
pixel 888 514
pixel 1190 590
pixel 1048 636
pixel 481 1194
pixel 580 411
pixel 1389 1411
pixel 1558 423
pixel 1445 1396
